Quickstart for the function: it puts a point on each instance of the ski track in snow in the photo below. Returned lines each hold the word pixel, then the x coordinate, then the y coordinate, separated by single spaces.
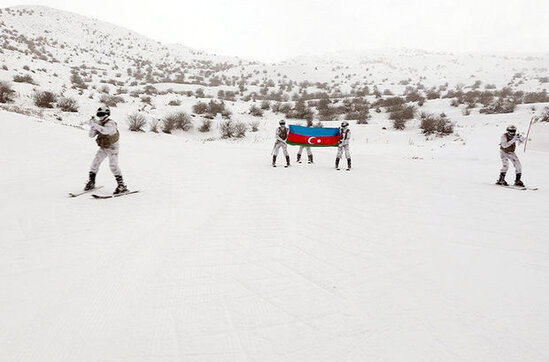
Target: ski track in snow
pixel 223 258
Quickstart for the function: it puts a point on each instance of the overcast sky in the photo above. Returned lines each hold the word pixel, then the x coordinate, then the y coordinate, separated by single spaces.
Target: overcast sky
pixel 279 29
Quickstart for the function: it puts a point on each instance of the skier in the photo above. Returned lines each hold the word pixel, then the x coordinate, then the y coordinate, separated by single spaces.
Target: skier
pixel 309 153
pixel 107 139
pixel 344 137
pixel 507 152
pixel 280 142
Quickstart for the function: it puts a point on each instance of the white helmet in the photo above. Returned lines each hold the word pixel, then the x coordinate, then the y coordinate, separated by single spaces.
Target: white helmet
pixel 103 112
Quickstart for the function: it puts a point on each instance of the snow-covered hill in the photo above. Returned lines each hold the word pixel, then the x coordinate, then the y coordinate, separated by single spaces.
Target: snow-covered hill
pixel 413 255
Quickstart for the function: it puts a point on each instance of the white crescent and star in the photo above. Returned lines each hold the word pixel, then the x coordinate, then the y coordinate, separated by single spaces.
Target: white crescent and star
pixel 310 140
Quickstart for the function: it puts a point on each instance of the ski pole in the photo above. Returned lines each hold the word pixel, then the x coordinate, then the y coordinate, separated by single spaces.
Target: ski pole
pixel 528 133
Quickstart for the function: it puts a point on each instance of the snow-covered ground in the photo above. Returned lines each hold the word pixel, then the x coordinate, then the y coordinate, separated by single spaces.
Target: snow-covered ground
pixel 413 255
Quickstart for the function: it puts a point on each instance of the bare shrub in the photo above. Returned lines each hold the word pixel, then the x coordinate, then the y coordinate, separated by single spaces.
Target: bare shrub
pixel 240 129
pixel 7 94
pixel 501 105
pixel 205 126
pixel 226 114
pixel 400 115
pixel 254 126
pixel 168 124
pixel 440 125
pixel 111 101
pixel 136 122
pixel 153 125
pixel 77 81
pixel 265 105
pixel 200 108
pixel 227 129
pixel 23 79
pixel 256 111
pixel 44 99
pixel 174 102
pixel 178 120
pixel 544 117
pixel 67 104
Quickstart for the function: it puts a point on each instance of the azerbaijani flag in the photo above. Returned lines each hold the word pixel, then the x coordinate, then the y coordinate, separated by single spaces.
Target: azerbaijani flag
pixel 313 137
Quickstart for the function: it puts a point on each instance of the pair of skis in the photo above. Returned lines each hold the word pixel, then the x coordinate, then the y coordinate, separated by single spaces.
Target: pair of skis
pixel 522 188
pixel 95 196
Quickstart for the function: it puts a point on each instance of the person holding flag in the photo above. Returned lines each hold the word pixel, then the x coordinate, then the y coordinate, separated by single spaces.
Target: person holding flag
pixel 343 145
pixel 280 142
pixel 309 153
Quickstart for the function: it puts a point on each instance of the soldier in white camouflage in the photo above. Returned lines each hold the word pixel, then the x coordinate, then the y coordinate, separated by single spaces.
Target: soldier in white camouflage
pixel 507 153
pixel 280 142
pixel 343 145
pixel 309 153
pixel 106 132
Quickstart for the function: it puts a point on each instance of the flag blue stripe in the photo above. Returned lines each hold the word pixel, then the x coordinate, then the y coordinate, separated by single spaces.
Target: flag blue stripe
pixel 314 132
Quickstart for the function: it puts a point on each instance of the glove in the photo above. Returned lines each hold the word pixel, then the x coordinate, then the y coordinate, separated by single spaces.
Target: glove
pixel 94 126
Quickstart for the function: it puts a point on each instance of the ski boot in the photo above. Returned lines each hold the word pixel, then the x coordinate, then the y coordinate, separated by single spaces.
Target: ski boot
pixel 348 164
pixel 337 163
pixel 298 158
pixel 121 188
pixel 274 161
pixel 501 180
pixel 287 161
pixel 518 182
pixel 91 182
pixel 310 158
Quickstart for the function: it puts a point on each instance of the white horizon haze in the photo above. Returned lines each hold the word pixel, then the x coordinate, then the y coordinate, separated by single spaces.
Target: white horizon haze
pixel 271 31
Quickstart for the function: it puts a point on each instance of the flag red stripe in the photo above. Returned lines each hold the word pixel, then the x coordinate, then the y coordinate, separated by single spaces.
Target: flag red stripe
pixel 315 141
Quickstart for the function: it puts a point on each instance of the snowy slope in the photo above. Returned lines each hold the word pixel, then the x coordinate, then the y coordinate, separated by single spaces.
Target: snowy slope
pixel 413 255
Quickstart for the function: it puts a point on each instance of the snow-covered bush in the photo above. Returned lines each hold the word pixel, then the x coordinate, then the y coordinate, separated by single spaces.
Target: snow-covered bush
pixel 177 120
pixel 226 114
pixel 23 79
pixel 6 92
pixel 200 108
pixel 111 101
pixel 301 111
pixel 544 115
pixel 68 104
pixel 265 105
pixel 254 126
pixel 256 111
pixel 205 126
pixel 174 102
pixel 44 99
pixel 400 115
pixel 136 122
pixel 501 105
pixel 536 97
pixel 199 93
pixel 279 107
pixel 77 81
pixel 146 100
pixel 440 125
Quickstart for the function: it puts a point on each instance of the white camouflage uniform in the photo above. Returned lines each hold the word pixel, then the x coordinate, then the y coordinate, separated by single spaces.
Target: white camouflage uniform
pixel 507 152
pixel 109 128
pixel 281 137
pixel 308 149
pixel 345 136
